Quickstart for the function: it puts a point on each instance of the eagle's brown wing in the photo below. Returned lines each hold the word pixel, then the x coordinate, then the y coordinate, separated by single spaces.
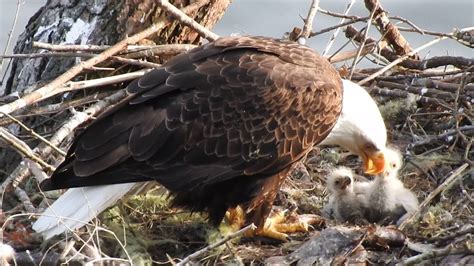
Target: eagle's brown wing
pixel 212 124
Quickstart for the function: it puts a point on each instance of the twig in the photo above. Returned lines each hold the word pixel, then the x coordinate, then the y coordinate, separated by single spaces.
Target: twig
pixel 70 47
pixel 79 85
pixel 186 20
pixel 128 61
pixel 454 175
pixel 36 134
pixel 22 148
pixel 52 88
pixel 9 36
pixel 216 244
pixel 340 24
pixel 449 250
pixel 308 22
pixel 437 61
pixel 423 91
pixel 157 50
pixel 359 51
pixel 132 51
pixel 398 60
pixel 24 199
pixel 342 56
pixel 466 129
pixel 352 21
pixel 388 30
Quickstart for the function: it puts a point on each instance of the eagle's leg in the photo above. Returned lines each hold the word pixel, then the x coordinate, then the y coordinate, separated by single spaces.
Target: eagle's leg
pixel 276 223
pixel 273 224
pixel 235 218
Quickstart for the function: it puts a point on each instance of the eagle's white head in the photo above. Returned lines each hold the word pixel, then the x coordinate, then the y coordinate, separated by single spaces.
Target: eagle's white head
pixel 360 128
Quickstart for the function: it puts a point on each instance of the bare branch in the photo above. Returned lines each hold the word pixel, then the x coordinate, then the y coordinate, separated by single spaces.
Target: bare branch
pixel 29 130
pixel 218 243
pixel 9 38
pixel 308 22
pixel 22 148
pixel 361 47
pixel 186 20
pixel 53 87
pixel 399 60
pixel 454 175
pixel 388 30
pixel 334 35
pixel 132 51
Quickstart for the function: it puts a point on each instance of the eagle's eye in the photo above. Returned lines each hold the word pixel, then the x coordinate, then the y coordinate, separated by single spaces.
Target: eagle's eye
pixel 370 147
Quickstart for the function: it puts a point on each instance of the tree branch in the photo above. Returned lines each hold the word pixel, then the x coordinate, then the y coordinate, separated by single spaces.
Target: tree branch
pixel 308 22
pixel 186 20
pixel 53 87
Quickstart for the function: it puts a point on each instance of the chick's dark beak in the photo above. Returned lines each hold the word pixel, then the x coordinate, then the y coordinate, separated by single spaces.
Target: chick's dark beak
pixel 345 182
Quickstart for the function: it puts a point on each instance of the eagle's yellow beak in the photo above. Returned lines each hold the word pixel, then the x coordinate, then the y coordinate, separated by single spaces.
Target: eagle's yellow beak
pixel 374 162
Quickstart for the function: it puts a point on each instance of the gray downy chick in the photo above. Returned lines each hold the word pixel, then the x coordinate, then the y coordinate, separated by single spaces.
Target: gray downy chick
pixel 387 200
pixel 344 205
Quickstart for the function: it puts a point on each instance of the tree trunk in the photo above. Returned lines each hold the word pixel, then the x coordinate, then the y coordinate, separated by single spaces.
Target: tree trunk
pixel 99 22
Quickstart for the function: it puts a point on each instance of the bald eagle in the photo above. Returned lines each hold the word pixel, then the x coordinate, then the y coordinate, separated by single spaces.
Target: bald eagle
pixel 219 127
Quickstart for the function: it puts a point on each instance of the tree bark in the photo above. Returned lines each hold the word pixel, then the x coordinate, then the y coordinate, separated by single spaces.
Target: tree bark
pixel 99 22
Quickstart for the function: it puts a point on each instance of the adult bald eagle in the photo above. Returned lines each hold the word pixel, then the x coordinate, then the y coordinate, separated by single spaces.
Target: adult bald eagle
pixel 220 127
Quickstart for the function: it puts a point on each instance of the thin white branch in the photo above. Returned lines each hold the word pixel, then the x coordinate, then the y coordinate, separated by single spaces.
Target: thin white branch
pixel 399 60
pixel 334 35
pixel 224 240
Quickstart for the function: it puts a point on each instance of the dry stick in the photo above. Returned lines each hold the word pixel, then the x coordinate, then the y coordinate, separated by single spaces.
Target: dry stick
pixel 456 174
pixel 22 148
pixel 51 88
pixel 79 85
pixel 432 92
pixel 352 21
pixel 128 61
pixel 70 47
pixel 157 50
pixel 359 51
pixel 433 62
pixel 342 56
pixel 218 243
pixel 162 49
pixel 388 30
pixel 449 250
pixel 9 38
pixel 398 60
pixel 186 20
pixel 36 170
pixel 334 35
pixel 32 132
pixel 308 22
pixel 24 199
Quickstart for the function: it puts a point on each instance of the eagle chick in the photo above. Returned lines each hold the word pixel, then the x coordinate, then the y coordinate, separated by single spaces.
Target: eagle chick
pixel 387 200
pixel 344 204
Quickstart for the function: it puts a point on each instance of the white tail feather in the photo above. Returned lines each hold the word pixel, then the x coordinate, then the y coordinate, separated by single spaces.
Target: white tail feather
pixel 77 207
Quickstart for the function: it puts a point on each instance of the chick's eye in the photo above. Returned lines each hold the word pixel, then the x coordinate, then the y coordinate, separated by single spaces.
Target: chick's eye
pixel 394 165
pixel 337 182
